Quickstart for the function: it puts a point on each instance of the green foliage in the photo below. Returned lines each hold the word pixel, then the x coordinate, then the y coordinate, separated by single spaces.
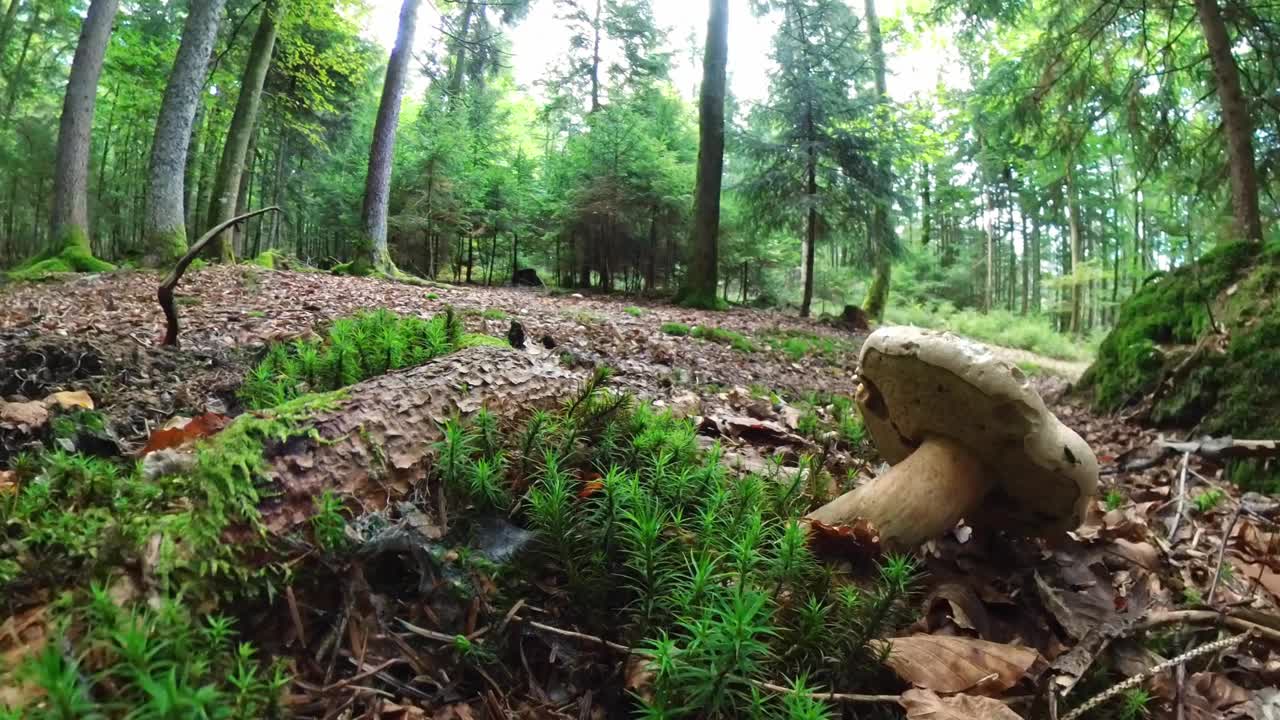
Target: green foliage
pixel 798 344
pixel 712 576
pixel 676 329
pixel 1133 704
pixel 494 314
pixel 1000 327
pixel 633 311
pixel 157 661
pixel 1114 499
pixel 327 523
pixel 722 336
pixel 1208 500
pixel 355 349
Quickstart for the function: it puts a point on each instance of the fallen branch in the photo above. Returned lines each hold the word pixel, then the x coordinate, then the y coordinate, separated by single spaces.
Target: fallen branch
pixel 165 293
pixel 1141 677
pixel 1226 447
pixel 1235 619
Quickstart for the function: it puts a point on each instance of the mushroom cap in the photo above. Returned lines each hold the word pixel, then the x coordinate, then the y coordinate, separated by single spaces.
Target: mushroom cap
pixel 917 383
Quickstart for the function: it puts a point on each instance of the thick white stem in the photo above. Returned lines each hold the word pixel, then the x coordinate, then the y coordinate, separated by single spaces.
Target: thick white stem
pixel 918 499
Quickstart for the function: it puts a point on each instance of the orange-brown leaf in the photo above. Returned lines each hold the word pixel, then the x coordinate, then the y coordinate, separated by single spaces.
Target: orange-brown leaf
pixel 198 427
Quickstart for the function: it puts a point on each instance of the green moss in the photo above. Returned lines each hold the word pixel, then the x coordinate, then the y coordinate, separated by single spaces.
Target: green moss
pixel 675 328
pixel 1220 391
pixel 164 248
pixel 733 339
pixel 1170 310
pixel 493 314
pixel 478 339
pixel 72 259
pixel 356 349
pixel 269 259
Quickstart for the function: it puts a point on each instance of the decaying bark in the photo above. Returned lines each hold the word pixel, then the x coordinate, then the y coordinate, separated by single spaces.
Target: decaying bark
pixel 378 442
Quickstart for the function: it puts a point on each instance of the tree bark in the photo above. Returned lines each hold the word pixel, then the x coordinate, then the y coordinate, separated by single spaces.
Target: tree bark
pixel 165 228
pixel 595 61
pixel 458 71
pixel 14 85
pixel 1073 220
pixel 380 435
pixel 373 253
pixel 6 23
pixel 226 187
pixel 1236 124
pixel 69 225
pixel 701 279
pixel 880 230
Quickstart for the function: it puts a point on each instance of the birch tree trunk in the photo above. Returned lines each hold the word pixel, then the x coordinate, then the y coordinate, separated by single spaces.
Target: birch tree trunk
pixel 69 224
pixel 226 186
pixel 373 253
pixel 164 229
pixel 700 282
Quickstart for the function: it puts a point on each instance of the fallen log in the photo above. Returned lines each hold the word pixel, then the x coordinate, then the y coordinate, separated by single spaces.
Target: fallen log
pixel 374 442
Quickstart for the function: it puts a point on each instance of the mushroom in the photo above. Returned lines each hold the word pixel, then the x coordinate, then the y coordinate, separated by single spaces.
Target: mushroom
pixel 968 437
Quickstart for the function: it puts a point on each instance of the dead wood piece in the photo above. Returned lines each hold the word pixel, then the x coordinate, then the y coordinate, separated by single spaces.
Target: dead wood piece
pixel 165 293
pixel 374 444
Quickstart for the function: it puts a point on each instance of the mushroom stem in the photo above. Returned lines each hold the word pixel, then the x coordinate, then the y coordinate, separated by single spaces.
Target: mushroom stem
pixel 919 498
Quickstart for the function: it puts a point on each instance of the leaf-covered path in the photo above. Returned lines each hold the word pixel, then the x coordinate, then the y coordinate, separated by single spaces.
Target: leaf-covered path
pixel 1071 600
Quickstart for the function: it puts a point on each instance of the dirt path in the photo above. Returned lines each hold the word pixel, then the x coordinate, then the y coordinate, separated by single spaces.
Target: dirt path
pixel 1069 370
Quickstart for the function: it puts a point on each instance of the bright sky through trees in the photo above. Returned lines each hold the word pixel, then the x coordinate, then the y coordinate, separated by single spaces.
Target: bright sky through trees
pixel 540 39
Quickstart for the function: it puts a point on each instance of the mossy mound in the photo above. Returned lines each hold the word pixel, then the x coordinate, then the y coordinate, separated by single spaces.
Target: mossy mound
pixel 1164 347
pixel 72 259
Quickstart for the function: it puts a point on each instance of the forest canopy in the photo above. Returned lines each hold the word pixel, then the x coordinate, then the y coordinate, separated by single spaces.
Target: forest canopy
pixel 1036 157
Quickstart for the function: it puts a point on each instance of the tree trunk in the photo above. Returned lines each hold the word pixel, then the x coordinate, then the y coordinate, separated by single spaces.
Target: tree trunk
pixel 372 252
pixel 165 228
pixel 102 160
pixel 1026 261
pixel 193 177
pixel 458 71
pixel 881 230
pixel 14 85
pixel 1073 219
pixel 988 292
pixel 595 61
pixel 1236 124
pixel 6 23
pixel 225 197
pixel 701 278
pixel 277 186
pixel 69 225
pixel 651 269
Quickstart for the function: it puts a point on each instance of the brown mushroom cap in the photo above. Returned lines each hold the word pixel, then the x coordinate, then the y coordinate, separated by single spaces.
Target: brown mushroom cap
pixel 920 383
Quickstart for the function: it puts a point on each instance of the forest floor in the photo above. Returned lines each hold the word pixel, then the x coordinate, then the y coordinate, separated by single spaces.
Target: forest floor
pixel 1162 548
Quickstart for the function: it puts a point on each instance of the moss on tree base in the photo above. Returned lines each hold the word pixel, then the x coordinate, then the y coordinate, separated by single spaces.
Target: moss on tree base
pixel 71 259
pixel 1165 354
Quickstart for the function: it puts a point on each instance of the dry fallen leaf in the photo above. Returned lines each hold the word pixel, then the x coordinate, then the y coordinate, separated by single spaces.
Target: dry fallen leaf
pixel 958 664
pixel 26 415
pixel 199 427
pixel 928 705
pixel 70 400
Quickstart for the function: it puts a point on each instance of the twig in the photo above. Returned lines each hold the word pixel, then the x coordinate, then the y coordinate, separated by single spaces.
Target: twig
pixel 1208 617
pixel 1182 494
pixel 1141 677
pixel 1222 552
pixel 165 293
pixel 295 615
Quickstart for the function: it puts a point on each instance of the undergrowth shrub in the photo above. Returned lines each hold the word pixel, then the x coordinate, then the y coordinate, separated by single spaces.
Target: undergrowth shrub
pixel 355 349
pixel 1000 327
pixel 722 336
pixel 710 576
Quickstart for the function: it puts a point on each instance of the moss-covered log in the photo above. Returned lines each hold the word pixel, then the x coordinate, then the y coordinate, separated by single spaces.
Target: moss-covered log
pixel 1200 346
pixel 373 440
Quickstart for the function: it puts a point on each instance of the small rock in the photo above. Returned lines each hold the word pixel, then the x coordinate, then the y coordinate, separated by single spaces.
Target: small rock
pixel 548 342
pixel 162 463
pixel 686 404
